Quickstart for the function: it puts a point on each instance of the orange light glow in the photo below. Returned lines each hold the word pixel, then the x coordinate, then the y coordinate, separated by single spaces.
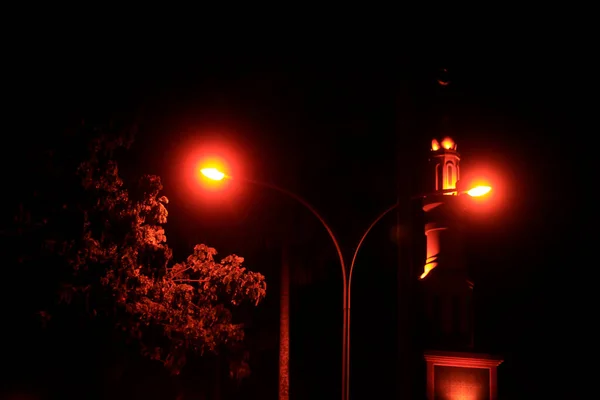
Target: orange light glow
pixel 495 175
pixel 208 151
pixel 479 191
pixel 428 268
pixel 212 173
pixel 448 144
pixel 435 145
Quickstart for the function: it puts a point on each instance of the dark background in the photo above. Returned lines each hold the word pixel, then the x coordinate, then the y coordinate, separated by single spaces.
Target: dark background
pixel 330 122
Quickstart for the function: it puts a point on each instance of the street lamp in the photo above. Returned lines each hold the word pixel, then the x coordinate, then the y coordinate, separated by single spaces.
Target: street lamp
pixel 215 174
pixel 477 191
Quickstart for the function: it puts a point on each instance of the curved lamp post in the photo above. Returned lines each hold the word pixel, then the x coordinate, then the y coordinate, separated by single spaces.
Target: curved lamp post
pixel 215 174
pixel 476 191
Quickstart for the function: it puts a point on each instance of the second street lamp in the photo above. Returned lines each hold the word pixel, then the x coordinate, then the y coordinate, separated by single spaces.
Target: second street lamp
pixel 476 191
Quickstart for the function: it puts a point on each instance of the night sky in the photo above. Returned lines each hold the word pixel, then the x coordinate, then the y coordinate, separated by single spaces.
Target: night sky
pixel 332 124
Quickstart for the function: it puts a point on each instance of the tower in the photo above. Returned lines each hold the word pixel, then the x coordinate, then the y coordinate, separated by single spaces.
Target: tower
pixel 445 161
pixel 446 286
pixel 454 372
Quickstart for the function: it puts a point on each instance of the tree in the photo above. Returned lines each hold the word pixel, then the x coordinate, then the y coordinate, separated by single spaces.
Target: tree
pixel 122 265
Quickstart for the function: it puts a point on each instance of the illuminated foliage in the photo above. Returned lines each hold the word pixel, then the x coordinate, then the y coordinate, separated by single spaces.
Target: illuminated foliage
pixel 123 263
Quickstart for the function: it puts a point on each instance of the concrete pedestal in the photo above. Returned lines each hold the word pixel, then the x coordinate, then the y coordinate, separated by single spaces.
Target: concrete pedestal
pixel 461 376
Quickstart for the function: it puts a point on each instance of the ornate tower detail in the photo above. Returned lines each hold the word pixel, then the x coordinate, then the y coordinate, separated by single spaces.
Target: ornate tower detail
pixel 445 161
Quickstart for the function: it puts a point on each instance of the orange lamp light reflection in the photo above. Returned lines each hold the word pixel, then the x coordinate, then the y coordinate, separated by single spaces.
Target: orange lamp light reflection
pixel 479 191
pixel 428 268
pixel 212 173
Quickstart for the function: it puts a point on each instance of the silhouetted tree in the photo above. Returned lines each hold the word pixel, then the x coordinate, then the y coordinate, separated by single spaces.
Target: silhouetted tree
pixel 122 266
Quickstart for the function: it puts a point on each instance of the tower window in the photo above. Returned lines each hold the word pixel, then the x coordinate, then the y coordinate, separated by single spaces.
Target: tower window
pixel 450 178
pixel 439 177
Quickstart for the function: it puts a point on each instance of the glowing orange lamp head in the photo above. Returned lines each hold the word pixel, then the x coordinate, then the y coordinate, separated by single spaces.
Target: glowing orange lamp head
pixel 213 173
pixel 479 191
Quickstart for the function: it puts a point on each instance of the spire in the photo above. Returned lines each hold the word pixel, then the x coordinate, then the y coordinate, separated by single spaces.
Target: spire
pixel 443 78
pixel 444 160
pixel 443 100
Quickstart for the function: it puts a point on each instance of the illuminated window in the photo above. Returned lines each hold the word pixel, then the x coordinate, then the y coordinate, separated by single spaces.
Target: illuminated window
pixel 450 178
pixel 460 383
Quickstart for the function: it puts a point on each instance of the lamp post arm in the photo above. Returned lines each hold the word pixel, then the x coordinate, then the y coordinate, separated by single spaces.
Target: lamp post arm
pixel 345 301
pixel 348 300
pixel 364 236
pixel 313 211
